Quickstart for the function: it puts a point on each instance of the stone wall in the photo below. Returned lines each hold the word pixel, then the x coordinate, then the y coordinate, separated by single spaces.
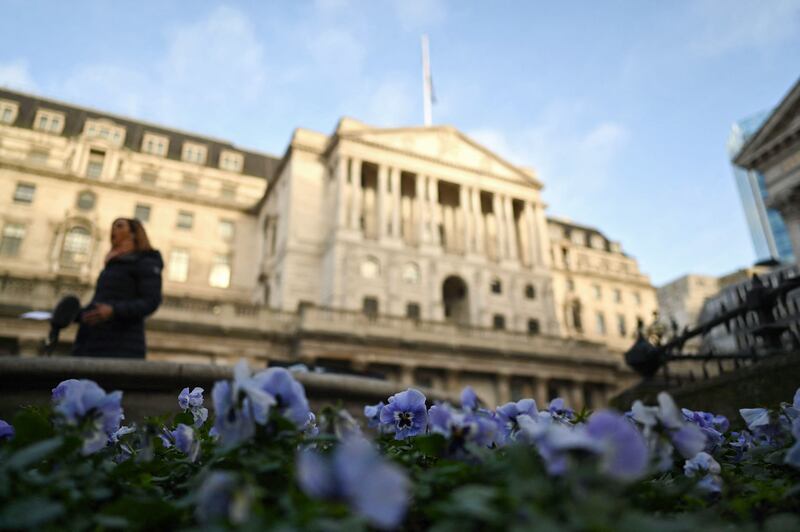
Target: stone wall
pixel 767 384
pixel 151 388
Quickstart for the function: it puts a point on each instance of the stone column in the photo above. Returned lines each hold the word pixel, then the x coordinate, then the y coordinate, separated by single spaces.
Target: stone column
pixel 512 230
pixel 420 211
pixel 530 235
pixel 382 200
pixel 395 209
pixel 542 238
pixel 466 217
pixel 503 389
pixel 355 190
pixel 453 381
pixel 575 395
pixel 433 202
pixel 540 392
pixel 477 221
pixel 499 226
pixel 341 196
pixel 407 375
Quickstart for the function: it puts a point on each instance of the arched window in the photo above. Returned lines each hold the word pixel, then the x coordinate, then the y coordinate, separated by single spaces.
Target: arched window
pixel 411 273
pixel 496 286
pixel 370 268
pixel 77 244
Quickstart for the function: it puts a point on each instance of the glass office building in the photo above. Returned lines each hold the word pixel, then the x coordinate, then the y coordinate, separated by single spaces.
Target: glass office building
pixel 769 234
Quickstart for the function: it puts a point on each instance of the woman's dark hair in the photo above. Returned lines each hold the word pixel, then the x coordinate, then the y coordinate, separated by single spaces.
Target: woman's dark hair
pixel 140 240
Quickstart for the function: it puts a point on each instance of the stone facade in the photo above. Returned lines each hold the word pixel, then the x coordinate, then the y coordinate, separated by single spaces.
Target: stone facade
pixel 411 254
pixel 599 292
pixel 682 299
pixel 774 151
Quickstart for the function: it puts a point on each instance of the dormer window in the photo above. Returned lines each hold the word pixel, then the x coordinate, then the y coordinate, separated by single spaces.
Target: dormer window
pixel 155 144
pixel 106 130
pixel 194 153
pixel 8 112
pixel 49 121
pixel 231 161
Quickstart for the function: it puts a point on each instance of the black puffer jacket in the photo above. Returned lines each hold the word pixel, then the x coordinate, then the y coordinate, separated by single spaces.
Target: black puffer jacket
pixel 131 284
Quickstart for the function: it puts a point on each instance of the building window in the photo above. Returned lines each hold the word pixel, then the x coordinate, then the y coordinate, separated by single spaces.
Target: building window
pixel 370 268
pixel 621 327
pixel 570 285
pixel 499 322
pixel 185 220
pixel 496 286
pixel 149 178
pixel 530 291
pixel 24 193
pixel 220 276
pixel 11 240
pixel 370 307
pixel 96 161
pixel 75 252
pixel 86 200
pixel 227 230
pixel 411 273
pixel 412 311
pixel 142 212
pixel 231 161
pixel 193 153
pixel 8 111
pixel 49 121
pixel 533 326
pixel 178 270
pixel 190 184
pixel 106 130
pixel 228 191
pixel 617 295
pixel 155 144
pixel 600 323
pixel 637 298
pixel 598 291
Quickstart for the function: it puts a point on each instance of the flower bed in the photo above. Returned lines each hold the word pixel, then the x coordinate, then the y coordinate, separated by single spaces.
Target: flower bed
pixel 263 460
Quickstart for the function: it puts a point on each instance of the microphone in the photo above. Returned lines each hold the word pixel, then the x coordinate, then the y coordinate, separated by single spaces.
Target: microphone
pixel 65 313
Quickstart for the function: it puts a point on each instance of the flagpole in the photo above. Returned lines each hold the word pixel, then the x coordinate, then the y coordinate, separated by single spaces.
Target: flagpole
pixel 426 81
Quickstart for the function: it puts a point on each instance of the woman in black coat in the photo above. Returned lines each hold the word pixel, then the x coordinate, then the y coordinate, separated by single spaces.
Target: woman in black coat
pixel 128 290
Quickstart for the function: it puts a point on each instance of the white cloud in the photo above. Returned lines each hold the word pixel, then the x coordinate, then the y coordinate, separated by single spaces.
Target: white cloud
pixel 16 75
pixel 727 25
pixel 390 104
pixel 574 157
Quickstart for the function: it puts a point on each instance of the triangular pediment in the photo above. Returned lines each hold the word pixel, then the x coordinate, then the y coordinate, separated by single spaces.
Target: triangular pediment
pixel 441 144
pixel 784 122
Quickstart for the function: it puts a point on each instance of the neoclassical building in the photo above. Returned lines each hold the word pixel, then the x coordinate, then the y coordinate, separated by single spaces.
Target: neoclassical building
pixel 409 254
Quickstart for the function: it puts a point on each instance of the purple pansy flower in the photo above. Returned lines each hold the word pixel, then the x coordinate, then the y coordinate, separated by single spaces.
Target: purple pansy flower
pixel 560 411
pixel 462 427
pixel 193 402
pixel 83 403
pixel 6 430
pixel 405 415
pixel 183 438
pixel 624 451
pixel 793 454
pixel 703 465
pixel 289 394
pixel 358 475
pixel 238 406
pixel 665 420
pixel 373 414
pixel 713 426
pixel 223 497
pixel 469 399
pixel 557 441
pixel 508 414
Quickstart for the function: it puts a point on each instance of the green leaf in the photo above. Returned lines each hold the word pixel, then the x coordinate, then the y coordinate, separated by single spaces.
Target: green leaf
pixel 431 445
pixel 31 425
pixel 185 418
pixel 33 453
pixel 30 512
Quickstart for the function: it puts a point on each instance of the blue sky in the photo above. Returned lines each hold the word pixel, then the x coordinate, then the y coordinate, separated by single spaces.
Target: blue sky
pixel 622 107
